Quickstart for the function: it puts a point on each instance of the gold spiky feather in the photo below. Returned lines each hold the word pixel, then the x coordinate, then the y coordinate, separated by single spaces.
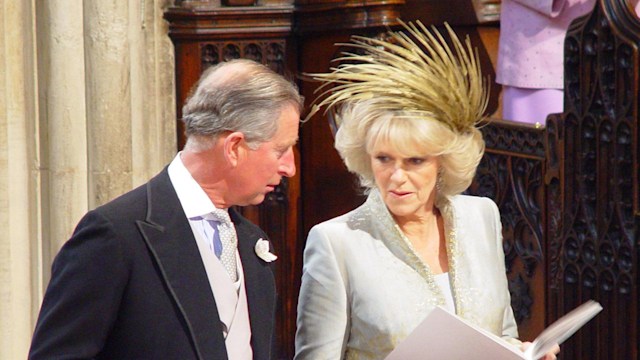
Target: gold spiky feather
pixel 415 71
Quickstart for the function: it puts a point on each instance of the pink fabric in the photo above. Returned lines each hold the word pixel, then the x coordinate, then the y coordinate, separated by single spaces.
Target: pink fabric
pixel 531 55
pixel 530 105
pixel 530 50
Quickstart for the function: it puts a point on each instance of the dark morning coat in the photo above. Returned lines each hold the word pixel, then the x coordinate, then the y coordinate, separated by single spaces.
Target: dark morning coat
pixel 130 284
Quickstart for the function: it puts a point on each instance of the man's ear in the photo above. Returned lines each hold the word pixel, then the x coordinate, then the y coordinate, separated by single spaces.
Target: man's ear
pixel 232 147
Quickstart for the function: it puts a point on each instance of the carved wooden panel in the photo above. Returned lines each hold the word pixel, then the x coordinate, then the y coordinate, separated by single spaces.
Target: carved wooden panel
pixel 313 16
pixel 594 244
pixel 512 174
pixel 330 190
pixel 269 52
pixel 455 12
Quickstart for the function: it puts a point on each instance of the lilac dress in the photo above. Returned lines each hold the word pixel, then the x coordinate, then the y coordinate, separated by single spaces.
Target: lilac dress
pixel 530 55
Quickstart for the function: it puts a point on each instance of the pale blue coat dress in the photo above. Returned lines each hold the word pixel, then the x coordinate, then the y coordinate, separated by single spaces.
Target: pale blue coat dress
pixel 364 288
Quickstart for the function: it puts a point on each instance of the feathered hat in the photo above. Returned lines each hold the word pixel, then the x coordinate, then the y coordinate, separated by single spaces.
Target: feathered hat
pixel 414 70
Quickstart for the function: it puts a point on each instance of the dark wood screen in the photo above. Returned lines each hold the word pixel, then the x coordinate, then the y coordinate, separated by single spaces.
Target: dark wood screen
pixel 512 173
pixel 593 152
pixel 568 192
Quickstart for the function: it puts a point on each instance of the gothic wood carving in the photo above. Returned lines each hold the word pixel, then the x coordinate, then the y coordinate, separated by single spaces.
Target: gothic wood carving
pixel 594 233
pixel 328 15
pixel 512 174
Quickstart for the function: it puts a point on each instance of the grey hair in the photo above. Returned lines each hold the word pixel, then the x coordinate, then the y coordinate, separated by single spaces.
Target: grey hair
pixel 363 124
pixel 238 95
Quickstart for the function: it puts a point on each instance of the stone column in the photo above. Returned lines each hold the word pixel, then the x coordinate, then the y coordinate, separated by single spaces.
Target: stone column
pixel 19 178
pixel 153 109
pixel 62 122
pixel 110 121
pixel 108 90
pixel 129 75
pixel 87 112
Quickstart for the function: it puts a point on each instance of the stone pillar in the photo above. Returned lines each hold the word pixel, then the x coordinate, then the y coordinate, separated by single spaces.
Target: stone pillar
pixel 18 180
pixel 87 112
pixel 129 75
pixel 110 120
pixel 108 90
pixel 62 122
pixel 153 92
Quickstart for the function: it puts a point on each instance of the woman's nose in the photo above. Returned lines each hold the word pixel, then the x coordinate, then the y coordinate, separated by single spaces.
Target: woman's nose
pixel 398 174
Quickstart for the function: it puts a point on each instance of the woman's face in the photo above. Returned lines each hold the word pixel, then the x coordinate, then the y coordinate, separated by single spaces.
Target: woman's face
pixel 407 183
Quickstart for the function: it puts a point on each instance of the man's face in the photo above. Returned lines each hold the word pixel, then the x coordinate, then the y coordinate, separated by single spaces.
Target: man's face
pixel 260 170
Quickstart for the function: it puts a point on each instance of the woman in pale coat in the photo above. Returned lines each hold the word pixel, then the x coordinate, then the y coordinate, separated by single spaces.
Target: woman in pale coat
pixel 407 128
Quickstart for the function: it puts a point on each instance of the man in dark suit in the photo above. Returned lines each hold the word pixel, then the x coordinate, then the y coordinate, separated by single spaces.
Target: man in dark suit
pixel 141 278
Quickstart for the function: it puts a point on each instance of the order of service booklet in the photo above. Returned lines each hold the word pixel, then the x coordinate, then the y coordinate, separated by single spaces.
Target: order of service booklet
pixel 443 335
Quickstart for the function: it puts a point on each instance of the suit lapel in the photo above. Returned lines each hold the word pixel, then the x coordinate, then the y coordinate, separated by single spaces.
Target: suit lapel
pixel 260 287
pixel 170 239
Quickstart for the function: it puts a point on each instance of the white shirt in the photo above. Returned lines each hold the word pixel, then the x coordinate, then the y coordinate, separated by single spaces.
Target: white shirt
pixel 194 201
pixel 230 296
pixel 443 281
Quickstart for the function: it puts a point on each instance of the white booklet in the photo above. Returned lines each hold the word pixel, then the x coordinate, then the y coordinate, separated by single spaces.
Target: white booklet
pixel 443 335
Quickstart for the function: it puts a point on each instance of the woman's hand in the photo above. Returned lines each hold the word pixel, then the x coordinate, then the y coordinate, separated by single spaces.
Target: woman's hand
pixel 551 355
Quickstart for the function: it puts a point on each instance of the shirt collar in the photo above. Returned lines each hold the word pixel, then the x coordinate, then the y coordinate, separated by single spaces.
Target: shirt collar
pixel 193 199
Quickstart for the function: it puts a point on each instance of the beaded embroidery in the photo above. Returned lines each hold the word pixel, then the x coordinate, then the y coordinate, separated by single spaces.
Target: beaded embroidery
pixel 393 237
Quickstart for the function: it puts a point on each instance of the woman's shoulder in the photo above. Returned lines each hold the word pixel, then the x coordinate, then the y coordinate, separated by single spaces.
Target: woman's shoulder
pixel 341 221
pixel 477 218
pixel 470 210
pixel 473 202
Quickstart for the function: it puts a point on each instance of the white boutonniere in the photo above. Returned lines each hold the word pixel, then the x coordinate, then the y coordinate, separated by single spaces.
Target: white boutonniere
pixel 262 250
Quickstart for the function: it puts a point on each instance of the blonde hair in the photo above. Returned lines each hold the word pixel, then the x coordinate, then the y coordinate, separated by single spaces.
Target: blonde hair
pixel 364 123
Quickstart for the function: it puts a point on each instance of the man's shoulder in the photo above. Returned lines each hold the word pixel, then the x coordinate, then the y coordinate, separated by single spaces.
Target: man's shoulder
pixel 137 199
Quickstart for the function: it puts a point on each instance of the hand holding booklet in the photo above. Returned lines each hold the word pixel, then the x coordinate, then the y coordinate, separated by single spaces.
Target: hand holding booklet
pixel 443 335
